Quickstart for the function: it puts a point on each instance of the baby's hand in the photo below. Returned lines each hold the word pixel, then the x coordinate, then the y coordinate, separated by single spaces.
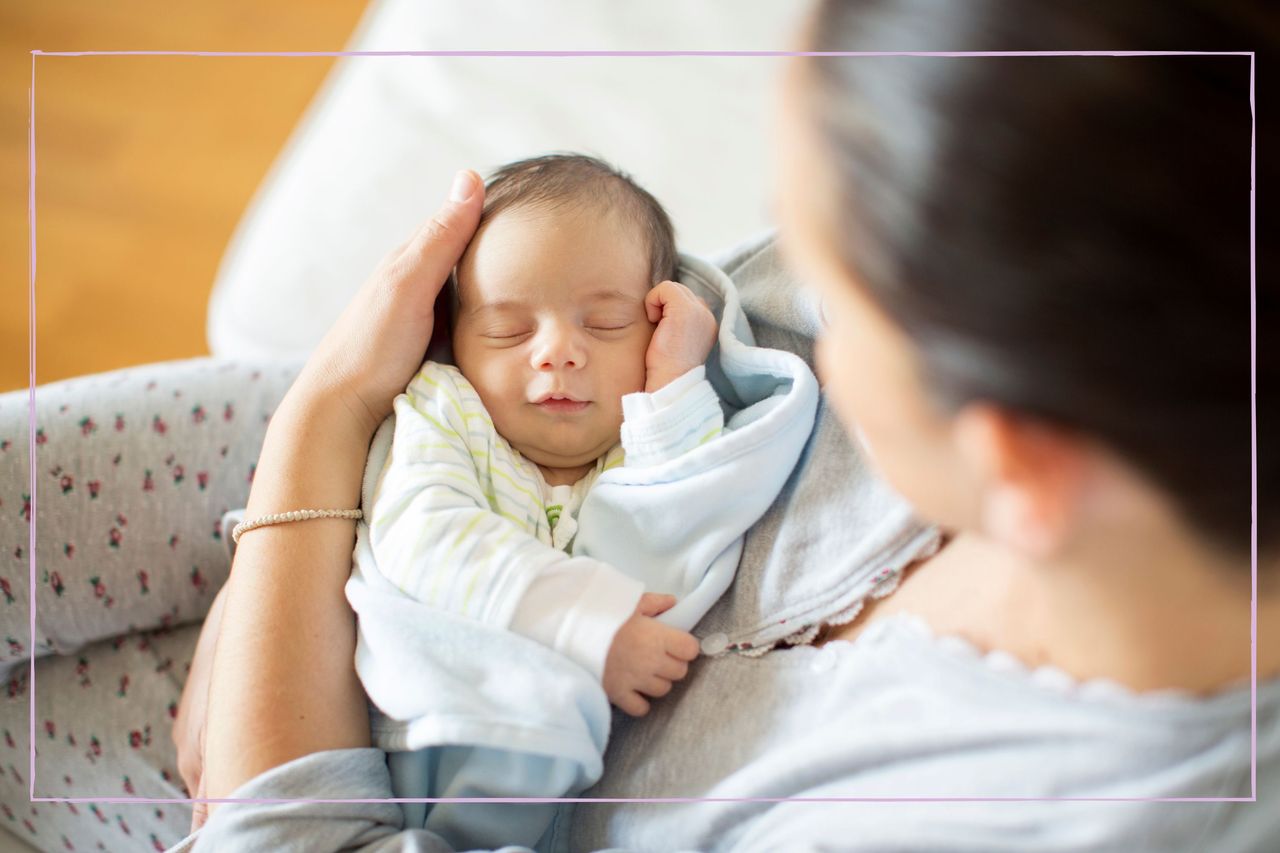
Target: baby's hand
pixel 646 656
pixel 684 337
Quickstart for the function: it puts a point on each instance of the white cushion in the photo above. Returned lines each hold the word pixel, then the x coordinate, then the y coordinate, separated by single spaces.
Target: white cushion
pixel 376 151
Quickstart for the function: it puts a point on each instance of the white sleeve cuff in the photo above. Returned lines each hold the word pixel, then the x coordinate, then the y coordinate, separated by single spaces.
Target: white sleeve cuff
pixel 576 608
pixel 642 403
pixel 669 422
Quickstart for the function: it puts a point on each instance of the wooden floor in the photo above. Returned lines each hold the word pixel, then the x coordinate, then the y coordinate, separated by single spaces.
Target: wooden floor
pixel 143 166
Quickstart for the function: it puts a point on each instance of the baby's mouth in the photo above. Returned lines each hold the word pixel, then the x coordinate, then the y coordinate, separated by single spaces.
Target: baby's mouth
pixel 562 405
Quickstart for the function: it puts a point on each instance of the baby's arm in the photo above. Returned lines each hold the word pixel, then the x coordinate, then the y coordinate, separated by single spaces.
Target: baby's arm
pixel 633 657
pixel 679 409
pixel 668 423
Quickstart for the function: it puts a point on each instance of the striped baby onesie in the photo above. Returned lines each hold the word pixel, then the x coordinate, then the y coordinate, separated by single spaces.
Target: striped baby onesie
pixel 462 521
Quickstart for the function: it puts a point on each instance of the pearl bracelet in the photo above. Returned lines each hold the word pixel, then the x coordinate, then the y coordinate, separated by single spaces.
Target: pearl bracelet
pixel 295 515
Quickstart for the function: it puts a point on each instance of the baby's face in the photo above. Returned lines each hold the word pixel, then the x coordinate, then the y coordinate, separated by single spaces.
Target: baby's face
pixel 552 306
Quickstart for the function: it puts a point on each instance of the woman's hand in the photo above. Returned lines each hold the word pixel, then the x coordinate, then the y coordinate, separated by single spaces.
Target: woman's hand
pixel 369 355
pixel 189 724
pixel 282 682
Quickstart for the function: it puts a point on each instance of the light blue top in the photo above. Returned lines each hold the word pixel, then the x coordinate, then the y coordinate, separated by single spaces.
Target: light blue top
pixel 896 713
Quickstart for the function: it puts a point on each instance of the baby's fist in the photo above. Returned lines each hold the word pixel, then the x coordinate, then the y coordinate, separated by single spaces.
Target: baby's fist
pixel 684 337
pixel 646 657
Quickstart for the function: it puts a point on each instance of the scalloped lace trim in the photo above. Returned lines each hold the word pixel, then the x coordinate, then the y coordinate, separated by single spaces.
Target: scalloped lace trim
pixel 884 583
pixel 1045 676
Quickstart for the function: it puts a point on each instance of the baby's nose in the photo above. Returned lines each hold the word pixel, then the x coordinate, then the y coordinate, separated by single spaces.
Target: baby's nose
pixel 559 349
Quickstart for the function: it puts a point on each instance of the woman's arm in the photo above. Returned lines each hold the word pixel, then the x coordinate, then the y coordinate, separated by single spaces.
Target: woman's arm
pixel 283 683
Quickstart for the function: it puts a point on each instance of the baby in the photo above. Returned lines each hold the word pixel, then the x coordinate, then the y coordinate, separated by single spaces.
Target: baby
pixel 576 353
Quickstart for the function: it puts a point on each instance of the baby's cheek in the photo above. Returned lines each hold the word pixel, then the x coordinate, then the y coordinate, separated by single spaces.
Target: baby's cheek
pixel 495 388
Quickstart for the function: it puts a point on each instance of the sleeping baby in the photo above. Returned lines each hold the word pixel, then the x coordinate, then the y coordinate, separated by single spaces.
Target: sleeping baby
pixel 579 362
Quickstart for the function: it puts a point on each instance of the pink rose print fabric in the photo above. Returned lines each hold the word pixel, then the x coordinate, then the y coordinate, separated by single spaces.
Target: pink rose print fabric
pixel 134 470
pixel 103 720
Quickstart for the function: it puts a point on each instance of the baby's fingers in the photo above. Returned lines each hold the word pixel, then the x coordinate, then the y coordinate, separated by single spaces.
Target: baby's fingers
pixel 662 295
pixel 682 645
pixel 654 301
pixel 654 603
pixel 672 669
pixel 634 704
pixel 655 687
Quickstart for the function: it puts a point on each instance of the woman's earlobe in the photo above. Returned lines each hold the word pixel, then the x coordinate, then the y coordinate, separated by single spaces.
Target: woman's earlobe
pixel 1010 516
pixel 1027 476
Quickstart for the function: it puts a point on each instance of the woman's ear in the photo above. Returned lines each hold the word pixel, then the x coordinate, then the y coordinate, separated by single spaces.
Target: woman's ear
pixel 1029 476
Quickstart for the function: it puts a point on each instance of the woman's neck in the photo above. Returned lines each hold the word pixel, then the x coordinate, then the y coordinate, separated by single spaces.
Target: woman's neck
pixel 1146 616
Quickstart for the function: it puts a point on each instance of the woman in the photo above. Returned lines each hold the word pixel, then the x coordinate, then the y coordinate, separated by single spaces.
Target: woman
pixel 1034 279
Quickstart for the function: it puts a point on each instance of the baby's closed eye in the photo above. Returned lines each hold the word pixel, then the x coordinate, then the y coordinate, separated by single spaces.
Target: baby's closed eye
pixel 503 333
pixel 611 322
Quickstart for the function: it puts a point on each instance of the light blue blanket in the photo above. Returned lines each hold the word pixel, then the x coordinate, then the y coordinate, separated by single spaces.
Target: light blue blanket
pixel 435 679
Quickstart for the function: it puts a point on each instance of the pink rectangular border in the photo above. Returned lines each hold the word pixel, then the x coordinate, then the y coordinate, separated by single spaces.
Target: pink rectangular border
pixel 1253 624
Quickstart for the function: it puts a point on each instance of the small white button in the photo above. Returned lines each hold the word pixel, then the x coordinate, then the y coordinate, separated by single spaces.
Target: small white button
pixel 714 644
pixel 823 659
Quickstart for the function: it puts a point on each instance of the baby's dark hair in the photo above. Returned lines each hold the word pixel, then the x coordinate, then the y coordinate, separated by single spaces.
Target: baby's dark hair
pixel 552 181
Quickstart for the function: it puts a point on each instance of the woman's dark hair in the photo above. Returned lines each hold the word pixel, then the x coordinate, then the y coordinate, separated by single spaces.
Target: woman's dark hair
pixel 1068 236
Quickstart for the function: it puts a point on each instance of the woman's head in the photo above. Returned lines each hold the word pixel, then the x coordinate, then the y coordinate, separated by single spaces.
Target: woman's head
pixel 1064 240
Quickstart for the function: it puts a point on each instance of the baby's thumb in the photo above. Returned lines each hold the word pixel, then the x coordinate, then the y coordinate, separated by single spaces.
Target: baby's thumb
pixel 653 303
pixel 653 603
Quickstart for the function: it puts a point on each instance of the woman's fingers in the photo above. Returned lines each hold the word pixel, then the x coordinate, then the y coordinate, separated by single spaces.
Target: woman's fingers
pixel 201 811
pixel 438 244
pixel 189 723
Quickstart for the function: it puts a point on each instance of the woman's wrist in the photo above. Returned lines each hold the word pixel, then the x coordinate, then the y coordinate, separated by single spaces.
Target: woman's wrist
pixel 313 454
